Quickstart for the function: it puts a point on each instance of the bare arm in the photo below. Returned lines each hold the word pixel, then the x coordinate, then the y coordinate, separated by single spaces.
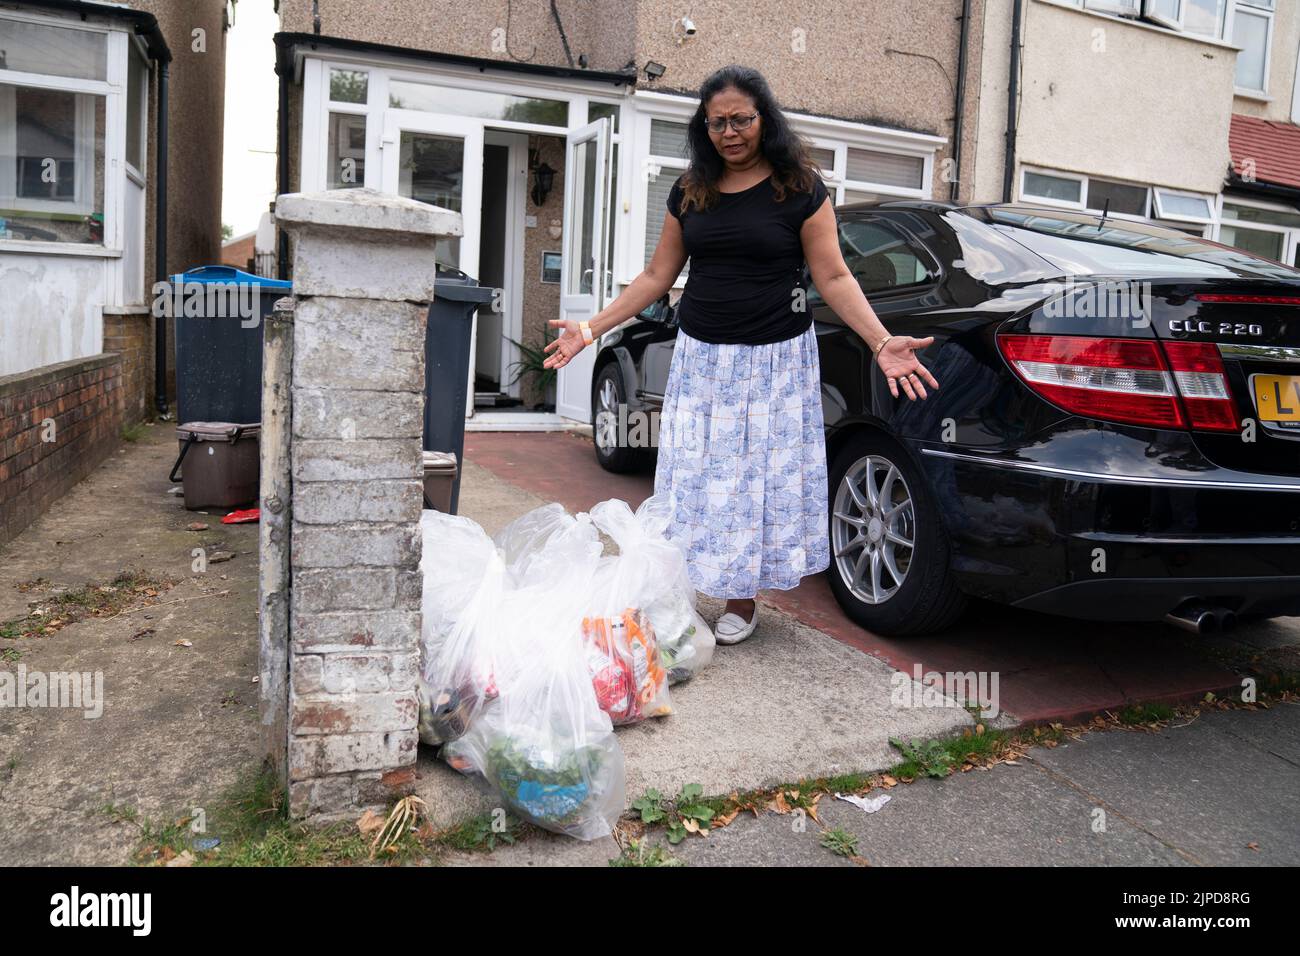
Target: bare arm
pixel 657 278
pixel 840 290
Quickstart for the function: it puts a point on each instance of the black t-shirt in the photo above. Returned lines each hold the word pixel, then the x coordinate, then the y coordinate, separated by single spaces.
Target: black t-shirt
pixel 746 261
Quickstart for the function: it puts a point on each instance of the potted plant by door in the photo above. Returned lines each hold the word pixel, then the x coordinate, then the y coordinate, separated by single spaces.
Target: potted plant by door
pixel 532 363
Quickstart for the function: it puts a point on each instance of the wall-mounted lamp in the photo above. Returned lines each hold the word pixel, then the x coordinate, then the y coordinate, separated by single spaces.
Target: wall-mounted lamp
pixel 684 29
pixel 654 70
pixel 543 179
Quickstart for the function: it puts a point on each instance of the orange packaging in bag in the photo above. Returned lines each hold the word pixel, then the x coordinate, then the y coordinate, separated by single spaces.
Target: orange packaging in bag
pixel 623 658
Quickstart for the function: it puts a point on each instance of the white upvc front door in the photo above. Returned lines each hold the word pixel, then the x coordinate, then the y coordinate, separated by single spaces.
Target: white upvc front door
pixel 585 278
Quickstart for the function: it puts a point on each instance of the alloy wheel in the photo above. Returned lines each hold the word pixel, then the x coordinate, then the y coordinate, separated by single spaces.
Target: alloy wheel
pixel 873 529
pixel 607 415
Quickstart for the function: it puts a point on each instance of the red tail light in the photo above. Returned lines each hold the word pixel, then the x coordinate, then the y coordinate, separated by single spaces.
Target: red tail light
pixel 1126 380
pixel 1203 383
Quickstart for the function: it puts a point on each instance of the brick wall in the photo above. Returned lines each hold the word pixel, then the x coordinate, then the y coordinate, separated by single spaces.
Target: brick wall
pixel 57 423
pixel 131 337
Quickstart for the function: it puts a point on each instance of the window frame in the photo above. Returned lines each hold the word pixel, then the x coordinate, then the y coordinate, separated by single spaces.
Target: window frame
pixel 1230 30
pixel 113 90
pixel 136 48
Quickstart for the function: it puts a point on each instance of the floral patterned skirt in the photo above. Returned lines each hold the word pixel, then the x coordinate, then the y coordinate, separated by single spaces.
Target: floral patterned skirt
pixel 742 459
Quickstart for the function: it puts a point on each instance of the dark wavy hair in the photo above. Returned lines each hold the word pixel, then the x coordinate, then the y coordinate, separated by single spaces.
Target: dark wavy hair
pixel 787 151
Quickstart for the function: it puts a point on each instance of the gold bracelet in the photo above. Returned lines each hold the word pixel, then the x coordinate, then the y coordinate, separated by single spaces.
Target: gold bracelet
pixel 883 343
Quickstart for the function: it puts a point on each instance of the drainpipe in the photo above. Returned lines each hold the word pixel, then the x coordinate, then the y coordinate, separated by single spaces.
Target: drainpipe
pixel 283 64
pixel 953 190
pixel 1013 93
pixel 160 243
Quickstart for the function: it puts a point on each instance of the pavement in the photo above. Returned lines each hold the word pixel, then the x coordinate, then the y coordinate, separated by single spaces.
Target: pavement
pixel 1216 790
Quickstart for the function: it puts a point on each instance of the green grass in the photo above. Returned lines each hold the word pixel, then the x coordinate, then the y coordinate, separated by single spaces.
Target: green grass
pixel 1145 714
pixel 134 433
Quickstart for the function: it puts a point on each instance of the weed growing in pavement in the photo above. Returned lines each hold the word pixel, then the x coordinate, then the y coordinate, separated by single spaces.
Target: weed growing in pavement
pixel 640 853
pixel 1145 714
pixel 840 842
pixel 134 433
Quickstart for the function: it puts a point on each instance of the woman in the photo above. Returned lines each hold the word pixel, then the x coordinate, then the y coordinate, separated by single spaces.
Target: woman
pixel 742 452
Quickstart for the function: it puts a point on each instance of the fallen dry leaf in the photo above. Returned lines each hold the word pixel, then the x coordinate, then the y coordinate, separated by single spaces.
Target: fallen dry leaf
pixel 182 643
pixel 690 826
pixel 724 819
pixel 369 822
pixel 197 526
pixel 888 781
pixel 1252 846
pixel 186 858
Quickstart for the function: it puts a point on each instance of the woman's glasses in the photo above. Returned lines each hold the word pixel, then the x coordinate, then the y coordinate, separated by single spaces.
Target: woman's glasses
pixel 738 123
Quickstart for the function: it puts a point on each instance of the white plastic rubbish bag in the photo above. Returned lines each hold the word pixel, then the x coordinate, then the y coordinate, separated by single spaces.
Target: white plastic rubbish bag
pixel 544 743
pixel 464 583
pixel 666 594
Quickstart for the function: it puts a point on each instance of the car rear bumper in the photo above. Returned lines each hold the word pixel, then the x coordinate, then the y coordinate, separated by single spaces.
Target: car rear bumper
pixel 1115 546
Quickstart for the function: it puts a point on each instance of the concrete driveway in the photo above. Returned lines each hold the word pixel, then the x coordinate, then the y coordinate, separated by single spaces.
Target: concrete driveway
pixel 1050 668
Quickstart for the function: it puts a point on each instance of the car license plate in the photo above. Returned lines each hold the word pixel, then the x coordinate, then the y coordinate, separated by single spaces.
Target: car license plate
pixel 1277 397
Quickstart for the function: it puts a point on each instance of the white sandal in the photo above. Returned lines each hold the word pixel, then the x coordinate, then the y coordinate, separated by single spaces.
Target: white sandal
pixel 732 628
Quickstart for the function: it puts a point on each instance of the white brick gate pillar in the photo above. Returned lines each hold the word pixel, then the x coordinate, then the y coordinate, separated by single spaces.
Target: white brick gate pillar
pixel 363 273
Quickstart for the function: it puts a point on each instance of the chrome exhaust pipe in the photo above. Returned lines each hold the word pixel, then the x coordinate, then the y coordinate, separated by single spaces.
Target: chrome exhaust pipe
pixel 1196 618
pixel 1227 619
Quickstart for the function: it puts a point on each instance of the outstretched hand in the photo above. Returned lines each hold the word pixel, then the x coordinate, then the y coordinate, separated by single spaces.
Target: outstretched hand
pixel 569 344
pixel 901 366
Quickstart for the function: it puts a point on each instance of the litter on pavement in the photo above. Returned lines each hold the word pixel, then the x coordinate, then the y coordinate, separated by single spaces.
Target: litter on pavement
pixel 865 804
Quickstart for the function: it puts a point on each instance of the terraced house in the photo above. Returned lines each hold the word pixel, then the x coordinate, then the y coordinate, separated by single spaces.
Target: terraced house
pixel 557 129
pixel 1182 111
pixel 89 93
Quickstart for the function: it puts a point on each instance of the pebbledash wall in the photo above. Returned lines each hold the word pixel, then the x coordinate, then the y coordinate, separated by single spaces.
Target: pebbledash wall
pixel 56 426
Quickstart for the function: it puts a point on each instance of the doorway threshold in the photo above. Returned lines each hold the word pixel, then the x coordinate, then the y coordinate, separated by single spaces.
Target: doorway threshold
pixel 523 421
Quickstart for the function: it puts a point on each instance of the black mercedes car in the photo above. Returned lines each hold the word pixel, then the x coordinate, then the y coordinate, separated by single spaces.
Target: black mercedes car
pixel 1116 435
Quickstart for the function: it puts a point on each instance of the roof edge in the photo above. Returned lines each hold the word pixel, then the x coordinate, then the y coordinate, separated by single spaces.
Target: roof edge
pixel 286 41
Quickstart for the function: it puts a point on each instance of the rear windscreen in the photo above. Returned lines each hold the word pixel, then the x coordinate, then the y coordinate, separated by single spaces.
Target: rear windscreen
pixel 1083 244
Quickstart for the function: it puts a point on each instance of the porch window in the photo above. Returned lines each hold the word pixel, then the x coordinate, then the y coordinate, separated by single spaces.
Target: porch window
pixel 485 104
pixel 53 51
pixel 52 121
pixel 51 165
pixel 347 150
pixel 349 86
pixel 137 89
pixel 667 161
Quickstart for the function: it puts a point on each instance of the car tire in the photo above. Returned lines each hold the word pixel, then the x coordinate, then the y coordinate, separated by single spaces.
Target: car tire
pixel 927 597
pixel 608 392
